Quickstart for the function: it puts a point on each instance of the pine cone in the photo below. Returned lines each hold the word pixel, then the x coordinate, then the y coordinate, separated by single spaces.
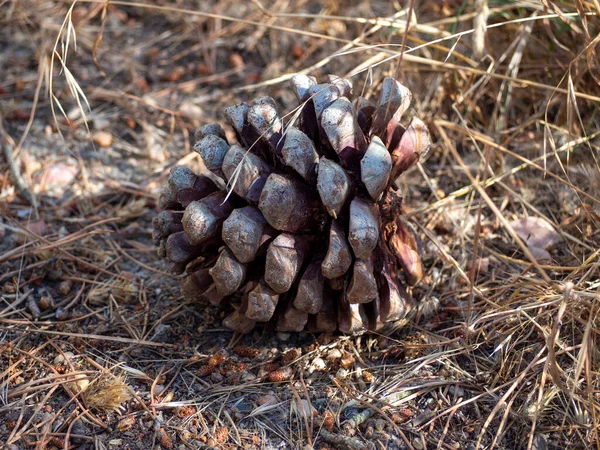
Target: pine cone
pixel 301 225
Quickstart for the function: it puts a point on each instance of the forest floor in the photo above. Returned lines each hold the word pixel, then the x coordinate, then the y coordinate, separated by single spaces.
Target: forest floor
pixel 98 350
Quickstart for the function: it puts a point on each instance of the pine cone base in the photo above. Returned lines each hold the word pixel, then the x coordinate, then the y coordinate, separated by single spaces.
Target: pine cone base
pixel 300 225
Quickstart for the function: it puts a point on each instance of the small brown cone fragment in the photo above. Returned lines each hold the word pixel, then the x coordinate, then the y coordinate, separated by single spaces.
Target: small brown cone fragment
pixel 236 115
pixel 246 172
pixel 372 311
pixel 186 186
pixel 287 204
pixel 285 257
pixel 337 284
pixel 333 184
pixel 263 116
pixel 415 143
pixel 326 320
pixel 322 96
pixel 394 301
pixel 196 264
pixel 195 285
pixel 375 168
pixel 243 232
pixel 364 116
pixel 167 201
pixel 352 318
pixel 363 286
pixel 301 85
pixel 175 268
pixel 213 296
pixel 403 245
pixel 165 224
pixel 212 149
pixel 162 248
pixel 309 297
pixel 394 101
pixel 292 320
pixel 180 178
pixel 179 249
pixel 228 273
pixel 237 320
pixel 343 84
pixel 210 129
pixel 339 257
pixel 299 153
pixel 364 228
pixel 202 219
pixel 262 301
pixel 342 131
pixel 246 134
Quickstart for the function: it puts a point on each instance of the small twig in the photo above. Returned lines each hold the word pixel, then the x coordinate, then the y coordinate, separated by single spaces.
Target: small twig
pixel 342 442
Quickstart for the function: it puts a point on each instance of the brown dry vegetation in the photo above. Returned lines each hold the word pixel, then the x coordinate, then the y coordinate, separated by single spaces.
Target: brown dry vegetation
pixel 97 349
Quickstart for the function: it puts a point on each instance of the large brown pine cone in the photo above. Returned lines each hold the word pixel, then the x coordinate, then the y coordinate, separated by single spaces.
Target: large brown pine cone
pixel 300 223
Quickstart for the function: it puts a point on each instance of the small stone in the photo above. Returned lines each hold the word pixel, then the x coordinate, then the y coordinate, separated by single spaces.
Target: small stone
pixel 319 364
pixel 102 139
pixel 334 354
pixel 342 374
pixel 63 358
pixel 459 392
pixel 65 287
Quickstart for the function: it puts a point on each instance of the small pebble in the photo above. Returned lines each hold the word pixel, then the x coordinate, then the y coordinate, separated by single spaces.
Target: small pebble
pixel 334 354
pixel 62 358
pixel 342 374
pixel 319 364
pixel 459 392
pixel 102 138
pixel 65 287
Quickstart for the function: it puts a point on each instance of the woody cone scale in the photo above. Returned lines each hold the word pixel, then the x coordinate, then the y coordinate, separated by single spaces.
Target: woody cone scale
pixel 299 224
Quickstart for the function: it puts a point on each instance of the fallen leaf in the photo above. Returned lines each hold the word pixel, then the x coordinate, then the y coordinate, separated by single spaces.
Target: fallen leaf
pixel 538 234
